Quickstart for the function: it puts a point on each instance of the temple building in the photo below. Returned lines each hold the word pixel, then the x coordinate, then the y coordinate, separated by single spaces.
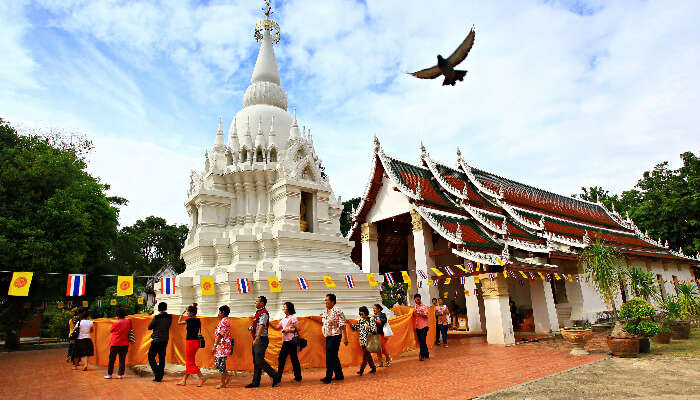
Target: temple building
pixel 419 216
pixel 262 208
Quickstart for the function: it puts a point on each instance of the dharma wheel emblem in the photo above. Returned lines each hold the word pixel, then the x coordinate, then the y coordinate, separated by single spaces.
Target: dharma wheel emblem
pixel 267 25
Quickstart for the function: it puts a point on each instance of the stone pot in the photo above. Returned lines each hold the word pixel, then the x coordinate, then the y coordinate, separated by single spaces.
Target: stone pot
pixel 578 338
pixel 644 345
pixel 623 346
pixel 663 338
pixel 680 329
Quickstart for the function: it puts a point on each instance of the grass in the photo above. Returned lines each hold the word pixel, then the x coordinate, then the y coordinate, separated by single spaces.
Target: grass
pixel 680 348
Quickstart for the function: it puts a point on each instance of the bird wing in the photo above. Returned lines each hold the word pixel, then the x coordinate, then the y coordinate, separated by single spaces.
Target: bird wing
pixel 428 73
pixel 461 53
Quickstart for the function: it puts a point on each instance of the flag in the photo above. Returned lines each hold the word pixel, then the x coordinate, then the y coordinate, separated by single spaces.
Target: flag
pixel 478 266
pixel 70 304
pixel 466 293
pixel 45 305
pixel 328 281
pixel 500 262
pixel 447 281
pixel 406 278
pixel 491 277
pixel 576 277
pixel 167 285
pixel 541 276
pixel 557 277
pixel 523 274
pixel 19 285
pixel 431 282
pixel 139 300
pixel 85 303
pixel 349 282
pixel 571 278
pixel 99 303
pixel 420 284
pixel 372 280
pixel 548 276
pixel 274 283
pixel 303 285
pixel 126 301
pixel 76 285
pixel 388 278
pixel 462 280
pixel 207 284
pixel 505 273
pixel 59 305
pixel 461 267
pixel 113 302
pixel 125 285
pixel 437 271
pixel 154 301
pixel 532 276
pixel 445 295
pixel 422 274
pixel 449 271
pixel 470 268
pixel 243 285
pixel 476 278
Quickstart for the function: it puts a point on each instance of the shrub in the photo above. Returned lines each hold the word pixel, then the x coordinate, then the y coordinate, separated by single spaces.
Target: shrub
pixel 637 315
pixel 58 324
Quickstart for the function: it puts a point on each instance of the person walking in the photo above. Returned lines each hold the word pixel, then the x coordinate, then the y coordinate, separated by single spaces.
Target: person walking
pixel 290 341
pixel 160 325
pixel 434 302
pixel 83 344
pixel 442 322
pixel 194 328
pixel 334 330
pixel 71 326
pixel 222 345
pixel 381 321
pixel 366 326
pixel 119 344
pixel 420 315
pixel 261 320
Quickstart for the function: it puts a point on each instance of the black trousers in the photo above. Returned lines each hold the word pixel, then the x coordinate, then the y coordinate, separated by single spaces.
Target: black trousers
pixel 289 348
pixel 422 336
pixel 437 331
pixel 366 358
pixel 332 361
pixel 158 368
pixel 121 352
pixel 259 362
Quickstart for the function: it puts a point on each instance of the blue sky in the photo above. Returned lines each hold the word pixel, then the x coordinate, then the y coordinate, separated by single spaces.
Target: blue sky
pixel 559 94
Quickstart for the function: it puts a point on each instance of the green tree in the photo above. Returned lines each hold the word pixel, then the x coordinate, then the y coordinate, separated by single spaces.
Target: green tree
pixel 54 217
pixel 603 266
pixel 349 207
pixel 148 245
pixel 643 283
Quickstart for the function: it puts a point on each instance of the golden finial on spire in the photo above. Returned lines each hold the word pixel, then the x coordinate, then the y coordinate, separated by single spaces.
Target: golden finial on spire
pixel 267 25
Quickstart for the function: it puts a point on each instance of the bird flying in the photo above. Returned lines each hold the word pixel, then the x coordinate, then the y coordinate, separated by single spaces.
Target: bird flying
pixel 445 66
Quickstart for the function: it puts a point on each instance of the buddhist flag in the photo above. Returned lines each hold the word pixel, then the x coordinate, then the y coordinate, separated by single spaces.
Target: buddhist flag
pixel 556 276
pixel 76 285
pixel 140 300
pixel 85 303
pixel 431 282
pixel 478 266
pixel 447 281
pixel 328 281
pixel 59 305
pixel 274 283
pixel 207 284
pixel 406 279
pixel 461 267
pixel 541 276
pixel 437 271
pixel 125 285
pixel 466 292
pixel 372 280
pixel 571 278
pixel 19 285
pixel 523 274
pixel 500 262
pixel 113 302
pixel 476 279
pixel 445 295
pixel 505 273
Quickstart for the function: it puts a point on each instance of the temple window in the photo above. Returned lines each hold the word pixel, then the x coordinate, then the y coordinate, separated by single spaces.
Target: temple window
pixel 259 155
pixel 244 155
pixel 273 155
pixel 300 154
pixel 306 217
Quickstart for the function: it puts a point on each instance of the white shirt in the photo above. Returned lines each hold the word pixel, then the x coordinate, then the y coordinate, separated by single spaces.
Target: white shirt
pixel 85 326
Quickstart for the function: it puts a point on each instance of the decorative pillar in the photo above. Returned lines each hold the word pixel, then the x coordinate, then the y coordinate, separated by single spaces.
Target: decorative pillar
pixel 544 311
pixel 370 251
pixel 499 325
pixel 472 303
pixel 422 246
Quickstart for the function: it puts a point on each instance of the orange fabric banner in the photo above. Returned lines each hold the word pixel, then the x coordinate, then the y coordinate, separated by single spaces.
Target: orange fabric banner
pixel 313 356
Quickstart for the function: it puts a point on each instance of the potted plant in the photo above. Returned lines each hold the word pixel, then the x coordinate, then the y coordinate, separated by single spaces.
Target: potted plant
pixel 664 335
pixel 643 283
pixel 678 318
pixel 637 316
pixel 578 336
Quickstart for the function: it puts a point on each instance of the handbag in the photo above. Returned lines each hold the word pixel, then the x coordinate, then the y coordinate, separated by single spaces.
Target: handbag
pixel 374 343
pixel 387 330
pixel 75 333
pixel 300 342
pixel 132 337
pixel 201 341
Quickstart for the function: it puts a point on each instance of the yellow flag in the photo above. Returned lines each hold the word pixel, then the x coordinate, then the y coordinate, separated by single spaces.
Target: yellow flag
pixel 476 278
pixel 406 279
pixel 478 266
pixel 140 300
pixel 571 278
pixel 371 279
pixel 505 273
pixel 557 276
pixel 461 267
pixel 431 282
pixel 125 285
pixel 113 302
pixel 19 285
pixel 523 274
pixel 275 286
pixel 328 281
pixel 447 281
pixel 85 303
pixel 466 292
pixel 207 283
pixel 59 305
pixel 541 276
pixel 445 295
pixel 437 271
pixel 498 260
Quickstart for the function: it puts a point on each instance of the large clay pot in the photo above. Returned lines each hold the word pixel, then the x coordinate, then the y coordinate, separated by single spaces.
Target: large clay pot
pixel 663 338
pixel 644 345
pixel 623 346
pixel 577 337
pixel 680 329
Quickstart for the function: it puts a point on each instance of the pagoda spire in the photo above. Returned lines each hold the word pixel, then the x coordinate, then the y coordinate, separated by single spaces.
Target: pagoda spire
pixel 219 142
pixel 294 129
pixel 266 31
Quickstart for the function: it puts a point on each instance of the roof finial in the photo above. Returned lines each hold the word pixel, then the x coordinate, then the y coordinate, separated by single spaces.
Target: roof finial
pixel 376 144
pixel 267 25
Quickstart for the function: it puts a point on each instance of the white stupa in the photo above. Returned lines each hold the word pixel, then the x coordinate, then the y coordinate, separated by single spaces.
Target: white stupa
pixel 262 207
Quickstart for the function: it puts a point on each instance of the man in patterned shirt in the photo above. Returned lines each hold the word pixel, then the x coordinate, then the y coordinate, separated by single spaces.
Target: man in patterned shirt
pixel 420 315
pixel 334 330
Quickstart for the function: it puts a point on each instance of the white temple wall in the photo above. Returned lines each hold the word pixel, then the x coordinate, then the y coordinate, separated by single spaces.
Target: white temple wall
pixel 389 203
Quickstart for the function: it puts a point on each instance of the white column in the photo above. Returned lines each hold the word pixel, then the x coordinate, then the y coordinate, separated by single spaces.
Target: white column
pixel 473 314
pixel 544 311
pixel 370 251
pixel 499 326
pixel 422 246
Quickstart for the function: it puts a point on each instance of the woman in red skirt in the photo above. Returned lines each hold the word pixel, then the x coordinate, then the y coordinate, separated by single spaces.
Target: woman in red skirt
pixel 194 327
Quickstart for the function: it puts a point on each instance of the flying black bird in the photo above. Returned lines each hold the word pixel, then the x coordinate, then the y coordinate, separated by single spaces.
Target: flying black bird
pixel 446 66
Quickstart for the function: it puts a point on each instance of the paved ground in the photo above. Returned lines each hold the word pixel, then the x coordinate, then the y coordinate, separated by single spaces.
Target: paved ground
pixel 466 369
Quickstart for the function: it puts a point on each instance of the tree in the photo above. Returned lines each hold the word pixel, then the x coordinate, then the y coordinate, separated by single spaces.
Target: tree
pixel 603 266
pixel 54 217
pixel 643 283
pixel 149 245
pixel 349 207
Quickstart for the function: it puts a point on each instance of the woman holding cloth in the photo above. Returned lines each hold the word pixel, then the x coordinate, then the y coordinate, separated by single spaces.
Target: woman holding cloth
pixel 194 327
pixel 381 321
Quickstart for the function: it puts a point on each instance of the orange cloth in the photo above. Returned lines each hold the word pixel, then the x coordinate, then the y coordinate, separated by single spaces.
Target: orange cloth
pixel 313 356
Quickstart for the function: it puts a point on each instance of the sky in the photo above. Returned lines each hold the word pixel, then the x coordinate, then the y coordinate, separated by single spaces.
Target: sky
pixel 559 94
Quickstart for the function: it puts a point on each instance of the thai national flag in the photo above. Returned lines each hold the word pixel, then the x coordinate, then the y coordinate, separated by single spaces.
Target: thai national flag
pixel 243 286
pixel 462 280
pixel 491 277
pixel 76 285
pixel 420 284
pixel 532 276
pixel 99 303
pixel 470 268
pixel 303 285
pixel 349 281
pixel 388 278
pixel 449 271
pixel 167 285
pixel 422 274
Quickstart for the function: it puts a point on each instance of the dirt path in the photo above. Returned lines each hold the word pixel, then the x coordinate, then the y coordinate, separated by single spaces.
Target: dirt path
pixel 648 377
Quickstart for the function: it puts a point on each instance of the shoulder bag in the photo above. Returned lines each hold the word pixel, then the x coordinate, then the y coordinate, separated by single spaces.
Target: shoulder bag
pixel 374 343
pixel 387 329
pixel 76 331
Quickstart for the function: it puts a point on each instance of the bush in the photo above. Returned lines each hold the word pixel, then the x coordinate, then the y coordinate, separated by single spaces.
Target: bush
pixel 58 324
pixel 637 315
